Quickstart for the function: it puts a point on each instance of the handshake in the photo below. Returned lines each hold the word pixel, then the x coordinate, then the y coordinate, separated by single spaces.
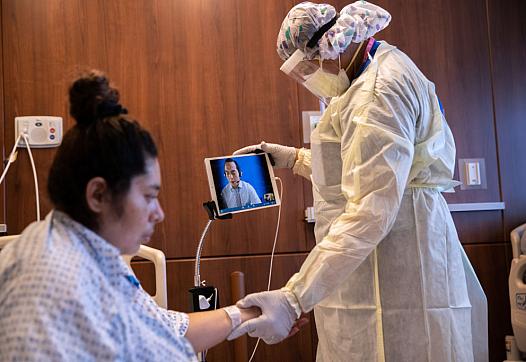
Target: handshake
pixel 278 319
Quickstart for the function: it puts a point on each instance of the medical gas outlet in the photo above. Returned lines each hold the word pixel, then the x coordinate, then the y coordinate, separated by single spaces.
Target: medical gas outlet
pixel 41 131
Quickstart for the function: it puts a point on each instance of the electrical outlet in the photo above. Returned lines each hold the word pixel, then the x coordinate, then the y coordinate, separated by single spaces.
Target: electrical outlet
pixel 472 173
pixel 41 131
pixel 472 176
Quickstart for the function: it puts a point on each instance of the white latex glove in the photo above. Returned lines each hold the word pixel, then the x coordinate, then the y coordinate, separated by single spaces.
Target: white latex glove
pixel 276 319
pixel 284 156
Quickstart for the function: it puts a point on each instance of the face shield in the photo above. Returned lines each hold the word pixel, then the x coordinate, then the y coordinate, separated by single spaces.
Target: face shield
pixel 298 67
pixel 310 73
pixel 301 69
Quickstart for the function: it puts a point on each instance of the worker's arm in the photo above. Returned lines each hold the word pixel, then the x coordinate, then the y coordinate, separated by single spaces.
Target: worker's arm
pixel 302 165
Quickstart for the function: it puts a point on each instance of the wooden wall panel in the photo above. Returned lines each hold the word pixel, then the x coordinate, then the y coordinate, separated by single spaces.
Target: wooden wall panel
pixel 201 76
pixel 31 46
pixel 508 55
pixel 216 271
pixel 492 265
pixel 475 227
pixel 240 98
pixel 5 147
pixel 40 47
pixel 435 34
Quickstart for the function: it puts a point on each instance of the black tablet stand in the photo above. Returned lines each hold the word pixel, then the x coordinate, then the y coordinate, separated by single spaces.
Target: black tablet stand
pixel 205 297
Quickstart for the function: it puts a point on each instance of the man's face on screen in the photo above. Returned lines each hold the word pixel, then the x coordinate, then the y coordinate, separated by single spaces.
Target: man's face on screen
pixel 232 174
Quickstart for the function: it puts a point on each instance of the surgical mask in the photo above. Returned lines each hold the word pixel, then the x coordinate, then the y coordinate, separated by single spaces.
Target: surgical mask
pixel 327 85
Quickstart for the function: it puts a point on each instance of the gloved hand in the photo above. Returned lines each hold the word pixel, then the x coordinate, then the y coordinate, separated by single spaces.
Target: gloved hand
pixel 284 156
pixel 276 320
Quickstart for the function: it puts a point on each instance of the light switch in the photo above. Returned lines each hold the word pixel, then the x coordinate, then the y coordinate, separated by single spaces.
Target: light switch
pixel 473 173
pixel 309 214
pixel 310 121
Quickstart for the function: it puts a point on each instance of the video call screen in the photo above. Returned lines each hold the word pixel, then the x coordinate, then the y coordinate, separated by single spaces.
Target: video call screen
pixel 241 183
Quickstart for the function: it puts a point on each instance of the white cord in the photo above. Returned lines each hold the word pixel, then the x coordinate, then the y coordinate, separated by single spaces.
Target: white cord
pixel 276 234
pixel 12 158
pixel 271 256
pixel 35 178
pixel 254 351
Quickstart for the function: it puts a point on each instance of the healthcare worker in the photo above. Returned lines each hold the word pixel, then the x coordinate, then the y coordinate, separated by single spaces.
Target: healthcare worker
pixel 388 278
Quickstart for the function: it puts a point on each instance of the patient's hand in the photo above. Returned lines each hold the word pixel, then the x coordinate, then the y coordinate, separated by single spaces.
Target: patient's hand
pixel 300 322
pixel 277 322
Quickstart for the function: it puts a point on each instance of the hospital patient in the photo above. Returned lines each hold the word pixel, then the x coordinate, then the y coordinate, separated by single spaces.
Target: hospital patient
pixel 65 292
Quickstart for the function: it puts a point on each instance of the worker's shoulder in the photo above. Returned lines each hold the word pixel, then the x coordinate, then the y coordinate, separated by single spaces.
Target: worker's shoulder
pixel 396 62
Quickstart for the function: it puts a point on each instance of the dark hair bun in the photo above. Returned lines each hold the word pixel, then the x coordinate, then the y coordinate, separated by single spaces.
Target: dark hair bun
pixel 91 98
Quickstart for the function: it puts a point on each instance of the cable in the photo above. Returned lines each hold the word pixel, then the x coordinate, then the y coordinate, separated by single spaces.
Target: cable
pixel 35 178
pixel 271 255
pixel 12 158
pixel 276 234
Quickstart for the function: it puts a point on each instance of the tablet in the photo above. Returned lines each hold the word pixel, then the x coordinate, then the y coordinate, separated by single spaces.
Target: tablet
pixel 241 183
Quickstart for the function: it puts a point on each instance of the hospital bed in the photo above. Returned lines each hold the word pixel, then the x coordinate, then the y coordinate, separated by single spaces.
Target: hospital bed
pixel 516 345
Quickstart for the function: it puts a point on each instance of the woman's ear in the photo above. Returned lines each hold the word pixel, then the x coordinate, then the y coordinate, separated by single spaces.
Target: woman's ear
pixel 96 194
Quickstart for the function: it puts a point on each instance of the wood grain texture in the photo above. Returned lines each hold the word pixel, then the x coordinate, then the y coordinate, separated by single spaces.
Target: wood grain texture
pixel 508 55
pixel 6 145
pixel 492 264
pixel 448 41
pixel 203 77
pixel 29 89
pixel 476 227
pixel 216 271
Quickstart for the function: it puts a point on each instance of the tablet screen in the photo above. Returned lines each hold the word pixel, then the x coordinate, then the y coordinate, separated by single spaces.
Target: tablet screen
pixel 241 183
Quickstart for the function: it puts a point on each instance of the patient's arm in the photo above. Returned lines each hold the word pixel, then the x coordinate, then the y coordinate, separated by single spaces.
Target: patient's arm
pixel 206 329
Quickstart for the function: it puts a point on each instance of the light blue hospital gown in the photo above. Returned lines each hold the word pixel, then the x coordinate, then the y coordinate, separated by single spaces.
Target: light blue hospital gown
pixel 66 294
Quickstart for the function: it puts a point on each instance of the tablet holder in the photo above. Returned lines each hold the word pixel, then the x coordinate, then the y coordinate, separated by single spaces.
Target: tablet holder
pixel 211 210
pixel 205 297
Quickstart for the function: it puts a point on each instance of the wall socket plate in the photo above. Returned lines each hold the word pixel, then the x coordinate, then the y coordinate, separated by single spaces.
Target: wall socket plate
pixel 41 131
pixel 310 120
pixel 472 173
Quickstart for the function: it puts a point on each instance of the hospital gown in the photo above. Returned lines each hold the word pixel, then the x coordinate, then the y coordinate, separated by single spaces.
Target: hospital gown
pixel 66 294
